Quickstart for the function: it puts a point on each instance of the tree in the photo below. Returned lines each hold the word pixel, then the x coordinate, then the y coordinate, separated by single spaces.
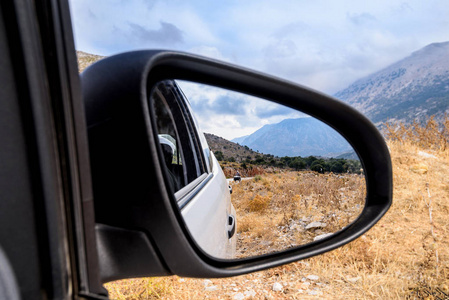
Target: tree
pixel 337 167
pixel 309 160
pixel 317 168
pixel 219 155
pixel 297 163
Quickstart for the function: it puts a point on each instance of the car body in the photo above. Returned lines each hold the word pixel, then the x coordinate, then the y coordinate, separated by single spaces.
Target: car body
pixel 202 191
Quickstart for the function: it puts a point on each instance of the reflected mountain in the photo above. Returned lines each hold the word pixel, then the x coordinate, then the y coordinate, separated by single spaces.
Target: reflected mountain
pixel 297 137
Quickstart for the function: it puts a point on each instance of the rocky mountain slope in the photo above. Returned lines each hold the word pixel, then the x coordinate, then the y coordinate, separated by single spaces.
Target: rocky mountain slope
pixel 230 149
pixel 297 137
pixel 86 59
pixel 413 88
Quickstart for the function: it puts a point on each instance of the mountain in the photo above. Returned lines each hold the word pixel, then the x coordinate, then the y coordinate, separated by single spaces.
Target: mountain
pixel 240 140
pixel 297 137
pixel 413 88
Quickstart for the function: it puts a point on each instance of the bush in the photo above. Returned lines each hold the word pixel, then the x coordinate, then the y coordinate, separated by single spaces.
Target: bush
pixel 318 168
pixel 297 164
pixel 337 167
pixel 219 155
pixel 259 203
pixel 431 134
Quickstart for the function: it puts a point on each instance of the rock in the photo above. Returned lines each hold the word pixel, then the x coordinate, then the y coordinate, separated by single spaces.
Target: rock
pixel 238 296
pixel 305 285
pixel 250 293
pixel 266 243
pixel 426 155
pixel 206 282
pixel 353 279
pixel 315 293
pixel 419 168
pixel 316 225
pixel 211 288
pixel 322 236
pixel 312 277
pixel 294 226
pixel 277 287
pixel 305 219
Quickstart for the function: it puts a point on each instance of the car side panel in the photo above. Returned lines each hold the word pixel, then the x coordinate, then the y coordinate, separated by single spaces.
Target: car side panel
pixel 206 216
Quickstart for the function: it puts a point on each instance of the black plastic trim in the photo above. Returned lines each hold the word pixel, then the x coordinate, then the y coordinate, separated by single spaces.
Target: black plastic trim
pixel 137 260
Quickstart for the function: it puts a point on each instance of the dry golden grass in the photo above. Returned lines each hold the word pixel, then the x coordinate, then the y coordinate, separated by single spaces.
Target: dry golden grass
pixel 273 210
pixel 404 256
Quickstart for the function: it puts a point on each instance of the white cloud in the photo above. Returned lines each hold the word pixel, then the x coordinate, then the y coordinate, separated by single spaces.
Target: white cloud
pixel 322 44
pixel 230 114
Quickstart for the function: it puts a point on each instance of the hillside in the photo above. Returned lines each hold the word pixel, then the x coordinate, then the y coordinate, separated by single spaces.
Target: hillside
pixel 297 137
pixel 230 149
pixel 411 89
pixel 86 59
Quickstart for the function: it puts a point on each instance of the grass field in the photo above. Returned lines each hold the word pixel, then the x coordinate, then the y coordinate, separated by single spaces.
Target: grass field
pixel 274 210
pixel 404 256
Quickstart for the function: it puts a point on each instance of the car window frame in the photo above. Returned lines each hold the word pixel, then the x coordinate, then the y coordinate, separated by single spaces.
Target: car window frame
pixel 207 153
pixel 41 44
pixel 183 120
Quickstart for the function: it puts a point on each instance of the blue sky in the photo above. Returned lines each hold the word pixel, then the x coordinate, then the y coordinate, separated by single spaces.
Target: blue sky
pixel 325 45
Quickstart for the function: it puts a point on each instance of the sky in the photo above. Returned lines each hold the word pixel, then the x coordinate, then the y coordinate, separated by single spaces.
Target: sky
pixel 325 45
pixel 240 114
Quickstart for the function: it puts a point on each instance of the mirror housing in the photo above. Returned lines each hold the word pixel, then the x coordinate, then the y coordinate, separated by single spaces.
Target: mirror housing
pixel 130 188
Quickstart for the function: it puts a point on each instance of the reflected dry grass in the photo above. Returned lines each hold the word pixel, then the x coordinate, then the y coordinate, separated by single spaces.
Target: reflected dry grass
pixel 280 211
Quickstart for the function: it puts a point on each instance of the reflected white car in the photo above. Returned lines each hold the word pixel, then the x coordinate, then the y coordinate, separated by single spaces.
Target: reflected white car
pixel 193 173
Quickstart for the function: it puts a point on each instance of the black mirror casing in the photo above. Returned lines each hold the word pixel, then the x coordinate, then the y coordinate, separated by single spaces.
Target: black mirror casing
pixel 130 188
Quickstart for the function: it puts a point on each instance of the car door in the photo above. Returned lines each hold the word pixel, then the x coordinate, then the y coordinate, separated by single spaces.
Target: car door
pixel 46 233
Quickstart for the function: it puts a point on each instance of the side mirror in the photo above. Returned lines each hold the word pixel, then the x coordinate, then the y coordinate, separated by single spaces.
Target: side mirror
pixel 141 229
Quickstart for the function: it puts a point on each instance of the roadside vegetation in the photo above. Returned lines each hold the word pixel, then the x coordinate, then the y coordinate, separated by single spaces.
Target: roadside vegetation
pixel 404 256
pixel 318 164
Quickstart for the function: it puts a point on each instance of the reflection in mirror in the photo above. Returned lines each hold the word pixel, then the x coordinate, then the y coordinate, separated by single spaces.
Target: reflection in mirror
pixel 274 178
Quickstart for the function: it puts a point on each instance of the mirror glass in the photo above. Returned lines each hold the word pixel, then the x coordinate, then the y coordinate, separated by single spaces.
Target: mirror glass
pixel 262 178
